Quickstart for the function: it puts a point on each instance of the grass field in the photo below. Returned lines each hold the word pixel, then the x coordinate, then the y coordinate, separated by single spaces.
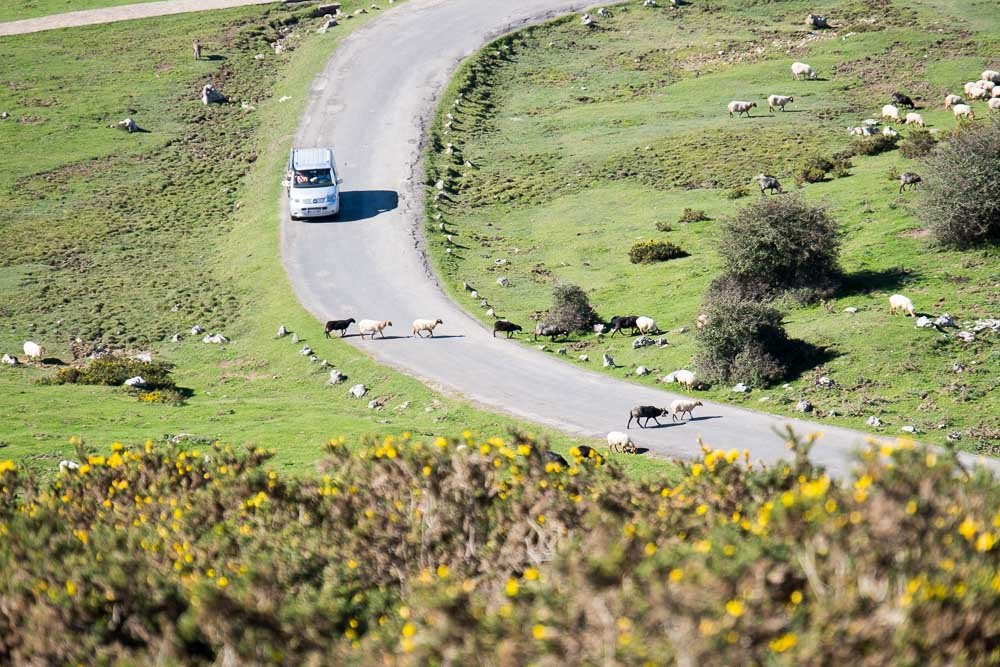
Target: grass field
pixel 129 239
pixel 581 142
pixel 13 10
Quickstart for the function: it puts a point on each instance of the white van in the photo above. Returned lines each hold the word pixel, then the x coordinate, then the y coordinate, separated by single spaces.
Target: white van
pixel 311 182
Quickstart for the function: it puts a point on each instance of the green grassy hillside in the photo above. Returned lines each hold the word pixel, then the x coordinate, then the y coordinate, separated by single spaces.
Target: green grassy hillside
pixel 572 144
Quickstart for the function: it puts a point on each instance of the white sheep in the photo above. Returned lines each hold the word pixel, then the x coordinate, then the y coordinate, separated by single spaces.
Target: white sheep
pixel 682 406
pixel 996 92
pixel 963 111
pixel 420 326
pixel 890 112
pixel 739 108
pixel 952 100
pixel 978 93
pixel 970 86
pixel 620 442
pixel 802 69
pixel 988 85
pixel 372 327
pixel 914 119
pixel 778 101
pixel 990 75
pixel 900 302
pixel 66 465
pixel 646 325
pixel 685 378
pixel 33 350
pixel 994 104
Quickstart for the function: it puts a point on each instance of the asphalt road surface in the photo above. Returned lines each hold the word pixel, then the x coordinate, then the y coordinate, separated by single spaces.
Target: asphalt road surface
pixel 371 104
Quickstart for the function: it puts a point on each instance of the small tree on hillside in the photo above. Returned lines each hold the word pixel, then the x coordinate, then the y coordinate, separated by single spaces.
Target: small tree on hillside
pixel 571 309
pixel 744 341
pixel 778 244
pixel 960 203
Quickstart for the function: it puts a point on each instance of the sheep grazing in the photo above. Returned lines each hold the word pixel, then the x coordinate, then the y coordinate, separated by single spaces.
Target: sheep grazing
pixel 643 413
pixel 768 183
pixel 901 303
pixel 994 104
pixel 420 326
pixel 620 322
pixel 682 406
pixel 740 108
pixel 685 378
pixel 952 100
pixel 890 112
pixel 337 325
pixel 990 75
pixel 646 325
pixel 914 119
pixel 995 93
pixel 987 85
pixel 978 93
pixel 899 99
pixel 507 327
pixel 620 442
pixel 33 350
pixel 908 178
pixel 963 111
pixel 550 330
pixel 778 101
pixel 196 45
pixel 372 327
pixel 800 70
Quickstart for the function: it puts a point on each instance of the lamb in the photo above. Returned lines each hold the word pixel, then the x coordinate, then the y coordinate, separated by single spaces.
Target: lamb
pixel 778 101
pixel 503 325
pixel 685 378
pixel 914 119
pixel 994 104
pixel 908 178
pixel 802 69
pixel 952 100
pixel 550 330
pixel 372 327
pixel 963 111
pixel 681 406
pixel 33 350
pixel 768 183
pixel 620 322
pixel 196 45
pixel 740 108
pixel 902 100
pixel 337 325
pixel 990 75
pixel 900 302
pixel 420 326
pixel 620 442
pixel 890 112
pixel 646 325
pixel 646 412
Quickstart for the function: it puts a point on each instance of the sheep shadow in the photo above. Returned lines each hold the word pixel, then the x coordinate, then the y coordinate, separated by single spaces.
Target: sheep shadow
pixel 867 281
pixel 213 57
pixel 438 336
pixel 641 450
pixel 358 205
pixel 705 418
pixel 664 425
pixel 52 361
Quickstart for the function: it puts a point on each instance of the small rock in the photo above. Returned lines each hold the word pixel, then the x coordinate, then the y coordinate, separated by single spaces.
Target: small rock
pixel 137 381
pixel 741 388
pixel 358 390
pixel 662 341
pixel 909 429
pixel 503 282
pixel 945 320
pixel 176 307
pixel 474 294
pixel 763 399
pixel 786 386
pixel 196 330
pixel 642 370
pixel 500 262
pixel 609 361
pixel 804 406
pixel 10 360
pixel 542 348
pixel 966 336
pixel 282 332
pixel 402 406
pixel 295 338
pixel 306 351
pixel 667 379
pixel 283 99
pixel 824 382
pixel 599 328
pixel 954 436
pixel 439 185
pixel 146 357
pixel 584 357
pixel 313 358
pixel 874 421
pixel 851 310
pixel 491 312
pixel 924 322
pixel 682 330
pixel 642 341
pixel 372 405
pixel 957 368
pixel 336 377
pixel 65 466
pixel 215 338
pixel 562 351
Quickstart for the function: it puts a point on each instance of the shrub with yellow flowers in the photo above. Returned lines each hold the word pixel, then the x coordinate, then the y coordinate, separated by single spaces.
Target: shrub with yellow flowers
pixel 417 552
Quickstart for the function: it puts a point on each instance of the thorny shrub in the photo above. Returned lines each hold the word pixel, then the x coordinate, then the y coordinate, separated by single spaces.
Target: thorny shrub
pixel 414 553
pixel 647 252
pixel 571 309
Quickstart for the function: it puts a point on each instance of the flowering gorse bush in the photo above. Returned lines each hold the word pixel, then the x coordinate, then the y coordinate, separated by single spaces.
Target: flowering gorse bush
pixel 413 552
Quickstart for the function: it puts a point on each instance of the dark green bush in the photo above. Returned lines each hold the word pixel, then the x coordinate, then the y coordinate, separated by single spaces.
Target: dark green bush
pixel 959 202
pixel 693 215
pixel 743 341
pixel 879 143
pixel 918 143
pixel 113 371
pixel 571 309
pixel 646 252
pixel 777 244
pixel 664 227
pixel 738 192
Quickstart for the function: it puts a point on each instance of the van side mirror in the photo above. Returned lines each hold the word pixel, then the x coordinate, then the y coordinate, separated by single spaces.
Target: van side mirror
pixel 339 180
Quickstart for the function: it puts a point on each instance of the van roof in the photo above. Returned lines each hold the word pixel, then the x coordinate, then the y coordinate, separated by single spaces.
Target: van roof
pixel 312 158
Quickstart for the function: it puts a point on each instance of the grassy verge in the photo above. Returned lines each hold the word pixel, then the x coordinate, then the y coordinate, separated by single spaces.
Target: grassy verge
pixel 571 145
pixel 126 240
pixel 14 10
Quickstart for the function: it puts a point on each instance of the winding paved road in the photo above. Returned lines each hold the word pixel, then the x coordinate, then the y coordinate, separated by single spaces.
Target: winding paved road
pixel 121 13
pixel 371 103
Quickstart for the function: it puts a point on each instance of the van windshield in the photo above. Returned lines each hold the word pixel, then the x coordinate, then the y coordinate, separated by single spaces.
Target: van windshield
pixel 312 178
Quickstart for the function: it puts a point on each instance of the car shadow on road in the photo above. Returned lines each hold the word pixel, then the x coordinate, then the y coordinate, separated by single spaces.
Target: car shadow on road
pixel 357 205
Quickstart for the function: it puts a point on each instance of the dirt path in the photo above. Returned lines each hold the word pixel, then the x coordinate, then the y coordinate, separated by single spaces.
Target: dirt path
pixel 122 13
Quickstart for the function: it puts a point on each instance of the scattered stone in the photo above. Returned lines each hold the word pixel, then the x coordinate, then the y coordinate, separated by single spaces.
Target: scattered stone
pixel 874 421
pixel 604 12
pixel 336 377
pixel 197 330
pixel 175 308
pixel 209 95
pixel 649 3
pixel 128 125
pixel 584 357
pixel 282 332
pixel 763 399
pixel 503 282
pixel 66 466
pixel 313 358
pixel 327 24
pixel 804 406
pixel 439 185
pixel 137 381
pixel 491 312
pixel 474 294
pixel 374 404
pixel 215 339
pixel 642 370
pixel 283 99
pixel 483 303
pixel 4 115
pixel 295 338
pixel 982 325
pixel 246 106
pixel 957 368
pixel 966 336
pixel 909 429
pixel 825 382
pixel 599 328
pixel 306 351
pixel 851 310
pixel 10 360
pixel 662 341
pixel 924 322
pixel 945 321
pixel 146 357
pixel 358 390
pixel 562 351
pixel 741 388
pixel 587 20
pixel 609 361
pixel 786 386
pixel 402 406
pixel 954 436
pixel 642 341
pixel 667 379
pixel 682 330
pixel 542 348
